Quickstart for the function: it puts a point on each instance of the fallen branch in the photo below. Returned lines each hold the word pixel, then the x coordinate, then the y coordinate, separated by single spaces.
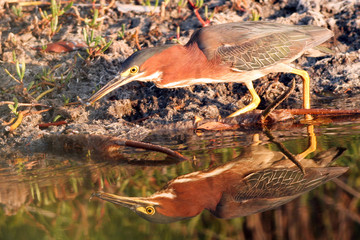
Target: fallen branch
pixel 23 104
pixel 17 123
pixel 330 112
pixel 277 102
pixel 46 125
pixel 124 8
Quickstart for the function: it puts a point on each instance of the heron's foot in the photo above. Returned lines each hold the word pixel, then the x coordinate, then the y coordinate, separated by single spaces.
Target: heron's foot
pixel 253 105
pixel 254 102
pixel 197 120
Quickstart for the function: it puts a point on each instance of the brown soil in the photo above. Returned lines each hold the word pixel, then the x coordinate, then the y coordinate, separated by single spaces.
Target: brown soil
pixel 136 109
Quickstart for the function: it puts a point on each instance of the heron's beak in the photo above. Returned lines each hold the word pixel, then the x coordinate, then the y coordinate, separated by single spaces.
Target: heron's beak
pixel 129 202
pixel 111 86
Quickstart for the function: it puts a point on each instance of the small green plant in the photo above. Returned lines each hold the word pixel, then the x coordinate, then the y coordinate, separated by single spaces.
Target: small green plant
pixel 255 16
pixel 94 23
pixel 20 72
pixel 53 18
pixel 48 79
pixel 20 69
pixel 14 107
pixel 206 13
pixel 47 74
pixel 148 3
pixel 121 33
pixel 182 4
pixel 66 99
pixel 96 45
pixel 199 3
pixel 177 39
pixel 57 117
pixel 17 10
pixel 166 2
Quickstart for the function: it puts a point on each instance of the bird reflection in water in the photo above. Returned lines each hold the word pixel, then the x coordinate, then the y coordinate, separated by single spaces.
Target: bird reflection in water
pixel 257 180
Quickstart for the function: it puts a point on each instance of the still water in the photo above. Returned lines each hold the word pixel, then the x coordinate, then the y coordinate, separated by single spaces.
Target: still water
pixel 46 194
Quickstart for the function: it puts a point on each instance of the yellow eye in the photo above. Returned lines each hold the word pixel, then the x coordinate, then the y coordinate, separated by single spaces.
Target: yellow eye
pixel 134 70
pixel 150 210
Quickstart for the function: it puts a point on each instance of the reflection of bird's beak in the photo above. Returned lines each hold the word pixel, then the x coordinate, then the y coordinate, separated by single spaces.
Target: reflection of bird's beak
pixel 110 86
pixel 129 202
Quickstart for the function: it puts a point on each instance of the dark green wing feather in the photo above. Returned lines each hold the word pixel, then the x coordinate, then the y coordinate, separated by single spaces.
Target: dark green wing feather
pixel 257 53
pixel 249 46
pixel 275 183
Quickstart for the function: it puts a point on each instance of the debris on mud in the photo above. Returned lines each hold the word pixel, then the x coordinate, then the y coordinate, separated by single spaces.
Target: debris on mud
pixel 32 72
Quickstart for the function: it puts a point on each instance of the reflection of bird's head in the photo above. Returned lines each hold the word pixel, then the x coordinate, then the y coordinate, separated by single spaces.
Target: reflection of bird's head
pixel 154 209
pixel 135 68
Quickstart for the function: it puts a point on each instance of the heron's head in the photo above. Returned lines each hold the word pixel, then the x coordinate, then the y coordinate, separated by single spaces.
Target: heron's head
pixel 158 209
pixel 133 69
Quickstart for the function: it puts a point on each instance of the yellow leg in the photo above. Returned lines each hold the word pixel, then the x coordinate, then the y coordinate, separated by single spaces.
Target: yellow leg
pixel 306 89
pixel 312 143
pixel 255 140
pixel 254 102
pixel 306 86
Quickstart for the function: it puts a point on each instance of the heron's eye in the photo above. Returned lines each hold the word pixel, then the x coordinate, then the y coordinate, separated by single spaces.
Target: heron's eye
pixel 134 70
pixel 150 210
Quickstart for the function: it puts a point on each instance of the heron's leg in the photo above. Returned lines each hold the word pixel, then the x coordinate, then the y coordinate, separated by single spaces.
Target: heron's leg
pixel 255 140
pixel 312 143
pixel 254 102
pixel 306 89
pixel 306 86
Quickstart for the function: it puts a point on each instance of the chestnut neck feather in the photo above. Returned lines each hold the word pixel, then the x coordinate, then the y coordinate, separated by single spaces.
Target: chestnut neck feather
pixel 188 202
pixel 197 191
pixel 183 64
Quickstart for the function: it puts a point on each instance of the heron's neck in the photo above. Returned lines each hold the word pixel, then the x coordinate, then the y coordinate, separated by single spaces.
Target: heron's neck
pixel 190 194
pixel 180 65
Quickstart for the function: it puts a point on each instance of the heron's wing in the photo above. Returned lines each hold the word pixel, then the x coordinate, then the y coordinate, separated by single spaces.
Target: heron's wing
pixel 270 188
pixel 277 183
pixel 255 45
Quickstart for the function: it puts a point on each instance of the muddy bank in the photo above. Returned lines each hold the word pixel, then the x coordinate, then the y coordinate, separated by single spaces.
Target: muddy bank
pixel 136 109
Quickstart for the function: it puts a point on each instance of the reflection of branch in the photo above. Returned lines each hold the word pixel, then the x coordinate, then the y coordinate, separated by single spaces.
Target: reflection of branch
pixel 283 149
pixel 346 188
pixel 151 147
pixel 41 211
pixel 109 149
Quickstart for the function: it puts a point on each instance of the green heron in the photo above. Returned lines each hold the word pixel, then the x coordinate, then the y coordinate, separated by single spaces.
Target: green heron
pixel 231 52
pixel 258 180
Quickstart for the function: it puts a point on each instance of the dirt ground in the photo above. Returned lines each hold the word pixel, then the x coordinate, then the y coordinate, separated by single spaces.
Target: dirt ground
pixel 136 109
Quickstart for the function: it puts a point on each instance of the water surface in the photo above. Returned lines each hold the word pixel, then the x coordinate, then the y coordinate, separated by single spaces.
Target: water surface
pixel 45 195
